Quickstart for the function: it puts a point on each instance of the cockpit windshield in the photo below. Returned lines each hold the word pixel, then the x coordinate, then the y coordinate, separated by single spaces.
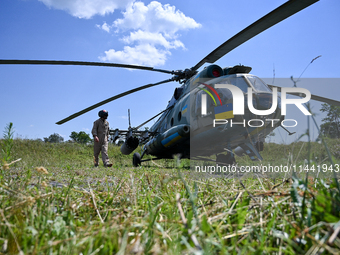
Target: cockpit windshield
pixel 242 81
pixel 238 81
pixel 258 84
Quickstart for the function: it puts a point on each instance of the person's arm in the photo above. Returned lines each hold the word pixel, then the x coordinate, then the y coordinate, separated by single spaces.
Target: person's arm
pixel 108 131
pixel 95 131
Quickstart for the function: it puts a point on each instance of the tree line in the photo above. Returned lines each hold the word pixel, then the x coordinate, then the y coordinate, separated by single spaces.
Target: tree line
pixel 80 137
pixel 331 123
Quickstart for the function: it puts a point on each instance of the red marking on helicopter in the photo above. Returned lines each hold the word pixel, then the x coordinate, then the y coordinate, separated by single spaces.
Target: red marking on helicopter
pixel 213 90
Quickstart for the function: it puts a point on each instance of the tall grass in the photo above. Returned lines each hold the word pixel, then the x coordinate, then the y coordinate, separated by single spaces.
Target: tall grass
pixel 7 144
pixel 55 201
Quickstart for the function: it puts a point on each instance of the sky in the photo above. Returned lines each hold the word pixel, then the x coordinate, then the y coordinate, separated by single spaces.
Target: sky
pixel 169 35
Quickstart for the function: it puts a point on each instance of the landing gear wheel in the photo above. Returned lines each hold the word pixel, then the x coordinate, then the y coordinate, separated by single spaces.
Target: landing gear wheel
pixel 221 159
pixel 228 159
pixel 136 160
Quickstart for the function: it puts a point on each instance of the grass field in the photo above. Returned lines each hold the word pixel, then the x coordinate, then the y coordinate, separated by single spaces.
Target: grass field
pixel 53 201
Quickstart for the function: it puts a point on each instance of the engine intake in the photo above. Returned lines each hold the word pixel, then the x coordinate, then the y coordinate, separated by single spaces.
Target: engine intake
pixel 129 145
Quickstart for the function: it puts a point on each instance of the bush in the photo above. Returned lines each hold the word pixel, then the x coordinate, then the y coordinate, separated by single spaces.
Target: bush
pixel 54 138
pixel 80 137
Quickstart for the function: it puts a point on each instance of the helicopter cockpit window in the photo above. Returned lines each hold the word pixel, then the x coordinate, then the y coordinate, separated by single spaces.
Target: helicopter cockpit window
pixel 224 94
pixel 258 84
pixel 198 103
pixel 238 81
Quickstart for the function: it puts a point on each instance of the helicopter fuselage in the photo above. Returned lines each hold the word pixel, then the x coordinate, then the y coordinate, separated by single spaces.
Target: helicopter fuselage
pixel 206 112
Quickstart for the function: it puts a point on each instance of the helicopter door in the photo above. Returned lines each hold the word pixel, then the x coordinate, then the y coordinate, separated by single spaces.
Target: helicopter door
pixel 197 119
pixel 193 112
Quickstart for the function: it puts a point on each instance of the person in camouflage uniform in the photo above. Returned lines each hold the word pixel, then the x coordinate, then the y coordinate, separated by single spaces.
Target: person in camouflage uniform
pixel 101 134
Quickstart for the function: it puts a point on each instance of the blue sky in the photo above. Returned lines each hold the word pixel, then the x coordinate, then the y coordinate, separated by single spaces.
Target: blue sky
pixel 170 35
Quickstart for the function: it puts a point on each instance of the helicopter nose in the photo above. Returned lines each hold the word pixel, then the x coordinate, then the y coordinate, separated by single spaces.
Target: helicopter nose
pixel 264 102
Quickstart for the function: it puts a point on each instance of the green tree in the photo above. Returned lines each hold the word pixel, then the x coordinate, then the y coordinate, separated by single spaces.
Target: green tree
pixel 80 137
pixel 331 123
pixel 54 138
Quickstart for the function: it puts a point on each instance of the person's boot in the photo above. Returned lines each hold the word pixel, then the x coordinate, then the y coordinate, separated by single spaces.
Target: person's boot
pixel 95 162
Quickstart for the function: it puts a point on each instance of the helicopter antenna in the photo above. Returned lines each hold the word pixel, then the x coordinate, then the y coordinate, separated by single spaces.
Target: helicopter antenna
pixel 129 118
pixel 307 105
pixel 295 81
pixel 309 65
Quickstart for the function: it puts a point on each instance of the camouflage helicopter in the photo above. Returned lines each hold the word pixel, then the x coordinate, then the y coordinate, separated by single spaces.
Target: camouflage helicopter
pixel 214 110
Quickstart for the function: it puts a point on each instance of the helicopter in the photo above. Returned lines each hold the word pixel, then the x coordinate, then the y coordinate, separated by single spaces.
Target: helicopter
pixel 188 126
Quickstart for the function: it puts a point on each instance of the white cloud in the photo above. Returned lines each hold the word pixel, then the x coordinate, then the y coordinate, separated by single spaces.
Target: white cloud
pixel 149 30
pixel 143 37
pixel 138 55
pixel 87 8
pixel 152 32
pixel 155 18
pixel 105 27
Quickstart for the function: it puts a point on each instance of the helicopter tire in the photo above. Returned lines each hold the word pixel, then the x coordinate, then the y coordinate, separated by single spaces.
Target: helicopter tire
pixel 228 159
pixel 221 158
pixel 136 160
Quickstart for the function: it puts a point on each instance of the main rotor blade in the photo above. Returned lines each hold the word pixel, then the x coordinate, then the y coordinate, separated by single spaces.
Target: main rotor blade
pixel 314 97
pixel 77 63
pixel 282 12
pixel 110 99
pixel 167 109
